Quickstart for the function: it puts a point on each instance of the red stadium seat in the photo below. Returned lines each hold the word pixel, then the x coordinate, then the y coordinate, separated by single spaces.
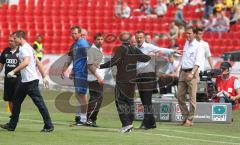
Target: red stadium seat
pixel 54 19
pixel 31 26
pixel 29 16
pixel 5 32
pixel 49 26
pixel 13 26
pixel 22 26
pixel 31 3
pixel 4 7
pixel 22 2
pixel 32 33
pixel 40 26
pixel 4 25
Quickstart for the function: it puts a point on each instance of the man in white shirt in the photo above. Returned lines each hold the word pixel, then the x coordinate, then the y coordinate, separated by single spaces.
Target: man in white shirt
pixel 206 49
pixel 189 76
pixel 146 78
pixel 95 79
pixel 29 84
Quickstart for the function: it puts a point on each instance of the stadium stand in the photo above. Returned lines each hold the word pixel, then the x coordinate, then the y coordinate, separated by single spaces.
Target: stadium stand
pixel 53 19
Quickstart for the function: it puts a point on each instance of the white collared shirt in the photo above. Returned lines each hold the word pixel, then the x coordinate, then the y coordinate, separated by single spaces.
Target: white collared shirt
pixel 148 49
pixel 29 73
pixel 193 55
pixel 95 56
pixel 207 53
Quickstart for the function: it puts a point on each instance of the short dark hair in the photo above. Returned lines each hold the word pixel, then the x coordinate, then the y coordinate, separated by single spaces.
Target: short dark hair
pixel 76 27
pixel 192 28
pixel 199 30
pixel 140 32
pixel 225 65
pixel 19 34
pixel 98 35
pixel 147 34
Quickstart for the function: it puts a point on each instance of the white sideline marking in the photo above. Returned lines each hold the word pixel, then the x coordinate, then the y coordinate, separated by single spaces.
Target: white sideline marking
pixel 31 100
pixel 187 138
pixel 163 135
pixel 207 134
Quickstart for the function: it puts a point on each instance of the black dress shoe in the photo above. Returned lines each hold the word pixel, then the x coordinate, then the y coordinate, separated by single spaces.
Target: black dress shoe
pixel 47 129
pixel 146 128
pixel 77 118
pixel 153 126
pixel 91 123
pixel 143 127
pixel 7 127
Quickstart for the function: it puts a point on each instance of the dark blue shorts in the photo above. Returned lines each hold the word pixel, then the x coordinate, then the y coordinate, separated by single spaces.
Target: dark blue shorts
pixel 80 83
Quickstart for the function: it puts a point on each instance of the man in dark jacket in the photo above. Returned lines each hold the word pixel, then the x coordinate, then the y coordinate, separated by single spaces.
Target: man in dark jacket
pixel 125 58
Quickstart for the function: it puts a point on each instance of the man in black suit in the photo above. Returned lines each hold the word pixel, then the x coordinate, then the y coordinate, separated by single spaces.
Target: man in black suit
pixel 125 58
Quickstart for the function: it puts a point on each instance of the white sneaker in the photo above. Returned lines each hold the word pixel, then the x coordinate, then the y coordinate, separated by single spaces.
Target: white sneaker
pixel 126 129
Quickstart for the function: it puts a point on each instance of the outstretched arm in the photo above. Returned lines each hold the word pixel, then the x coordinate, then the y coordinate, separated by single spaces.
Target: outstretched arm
pixel 141 56
pixel 114 60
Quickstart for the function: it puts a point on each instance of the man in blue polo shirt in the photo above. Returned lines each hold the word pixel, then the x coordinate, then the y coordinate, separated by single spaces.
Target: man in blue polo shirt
pixel 78 55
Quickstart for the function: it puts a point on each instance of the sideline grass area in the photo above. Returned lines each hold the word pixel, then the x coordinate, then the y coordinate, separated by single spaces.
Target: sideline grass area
pixel 27 132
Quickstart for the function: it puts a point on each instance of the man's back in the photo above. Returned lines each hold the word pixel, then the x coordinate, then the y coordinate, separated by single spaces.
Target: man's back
pixel 125 59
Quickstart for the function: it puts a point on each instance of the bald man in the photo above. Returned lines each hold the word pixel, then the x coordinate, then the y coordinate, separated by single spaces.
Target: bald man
pixel 125 59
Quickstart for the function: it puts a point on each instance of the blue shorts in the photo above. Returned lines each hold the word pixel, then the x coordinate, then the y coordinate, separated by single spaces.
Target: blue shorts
pixel 80 83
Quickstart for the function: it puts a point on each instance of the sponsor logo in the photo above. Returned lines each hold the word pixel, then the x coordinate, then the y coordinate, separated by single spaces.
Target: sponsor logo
pixel 164 111
pixel 11 61
pixel 178 116
pixel 202 117
pixel 139 111
pixel 219 112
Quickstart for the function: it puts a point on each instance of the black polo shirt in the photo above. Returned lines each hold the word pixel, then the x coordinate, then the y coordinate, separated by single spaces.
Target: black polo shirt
pixel 10 60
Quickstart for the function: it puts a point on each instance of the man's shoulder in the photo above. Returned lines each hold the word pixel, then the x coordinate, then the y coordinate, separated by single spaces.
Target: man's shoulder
pixel 93 50
pixel 126 47
pixel 82 43
pixel 204 42
pixel 26 48
pixel 6 50
pixel 234 77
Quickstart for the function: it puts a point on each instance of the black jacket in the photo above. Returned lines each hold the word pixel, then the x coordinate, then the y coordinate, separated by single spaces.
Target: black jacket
pixel 125 59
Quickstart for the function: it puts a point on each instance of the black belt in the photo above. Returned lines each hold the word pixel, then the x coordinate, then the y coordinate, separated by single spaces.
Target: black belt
pixel 187 70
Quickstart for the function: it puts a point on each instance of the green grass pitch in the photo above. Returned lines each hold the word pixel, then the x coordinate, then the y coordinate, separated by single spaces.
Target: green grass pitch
pixel 166 133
